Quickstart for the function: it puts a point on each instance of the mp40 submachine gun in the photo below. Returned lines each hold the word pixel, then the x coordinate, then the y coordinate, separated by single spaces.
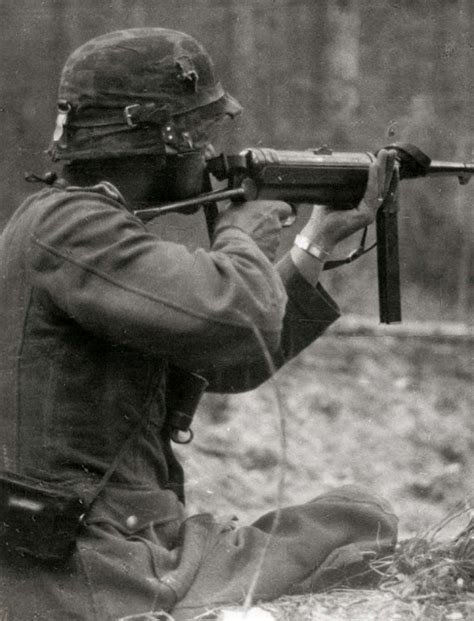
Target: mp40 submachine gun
pixel 321 176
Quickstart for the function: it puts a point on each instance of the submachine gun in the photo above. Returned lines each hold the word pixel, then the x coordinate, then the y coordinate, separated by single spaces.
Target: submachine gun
pixel 320 176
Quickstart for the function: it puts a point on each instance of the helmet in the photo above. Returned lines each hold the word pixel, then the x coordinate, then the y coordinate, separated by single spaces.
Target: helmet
pixel 121 93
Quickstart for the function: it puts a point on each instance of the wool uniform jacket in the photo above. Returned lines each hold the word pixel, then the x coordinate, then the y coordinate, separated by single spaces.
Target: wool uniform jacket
pixel 95 312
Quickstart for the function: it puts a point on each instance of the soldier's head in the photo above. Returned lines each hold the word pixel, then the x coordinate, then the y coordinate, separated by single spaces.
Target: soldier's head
pixel 139 92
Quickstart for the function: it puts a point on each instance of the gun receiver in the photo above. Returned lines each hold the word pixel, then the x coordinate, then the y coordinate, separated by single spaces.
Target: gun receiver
pixel 320 176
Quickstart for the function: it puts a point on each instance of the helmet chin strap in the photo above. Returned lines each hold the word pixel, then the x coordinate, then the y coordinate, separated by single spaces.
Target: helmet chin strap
pixel 183 164
pixel 211 211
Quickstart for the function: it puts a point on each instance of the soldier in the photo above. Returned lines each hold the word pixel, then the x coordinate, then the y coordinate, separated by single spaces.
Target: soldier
pixel 105 328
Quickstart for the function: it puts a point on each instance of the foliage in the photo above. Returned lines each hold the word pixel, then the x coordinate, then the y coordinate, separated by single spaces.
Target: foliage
pixel 425 579
pixel 439 576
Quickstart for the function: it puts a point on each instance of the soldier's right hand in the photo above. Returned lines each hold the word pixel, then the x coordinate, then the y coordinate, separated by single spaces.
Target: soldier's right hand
pixel 262 220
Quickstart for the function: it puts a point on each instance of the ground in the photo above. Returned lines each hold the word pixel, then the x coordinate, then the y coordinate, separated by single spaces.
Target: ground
pixel 393 414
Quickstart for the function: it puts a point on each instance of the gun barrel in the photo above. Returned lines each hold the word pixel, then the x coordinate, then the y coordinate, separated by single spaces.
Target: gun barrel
pixel 458 169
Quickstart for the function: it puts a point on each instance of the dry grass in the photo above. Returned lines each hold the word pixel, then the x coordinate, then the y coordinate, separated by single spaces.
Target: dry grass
pixel 424 579
pixel 426 569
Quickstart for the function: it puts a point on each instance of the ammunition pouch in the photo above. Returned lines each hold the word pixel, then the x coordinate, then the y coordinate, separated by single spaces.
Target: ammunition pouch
pixel 43 519
pixel 37 518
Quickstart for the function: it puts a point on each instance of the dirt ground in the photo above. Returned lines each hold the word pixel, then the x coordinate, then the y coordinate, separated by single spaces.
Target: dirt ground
pixel 393 414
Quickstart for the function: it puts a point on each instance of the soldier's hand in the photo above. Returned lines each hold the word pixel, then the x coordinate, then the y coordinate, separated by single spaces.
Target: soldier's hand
pixel 262 220
pixel 327 227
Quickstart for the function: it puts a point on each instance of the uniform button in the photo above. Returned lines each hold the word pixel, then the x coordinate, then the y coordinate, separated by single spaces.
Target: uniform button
pixel 131 521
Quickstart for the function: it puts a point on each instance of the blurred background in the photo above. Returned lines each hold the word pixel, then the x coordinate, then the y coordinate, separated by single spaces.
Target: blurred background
pixel 355 75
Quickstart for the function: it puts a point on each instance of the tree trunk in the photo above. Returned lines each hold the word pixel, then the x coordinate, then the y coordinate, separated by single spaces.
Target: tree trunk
pixel 465 151
pixel 342 68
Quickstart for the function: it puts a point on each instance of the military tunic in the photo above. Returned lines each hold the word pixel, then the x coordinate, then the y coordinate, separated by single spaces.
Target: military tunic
pixel 96 311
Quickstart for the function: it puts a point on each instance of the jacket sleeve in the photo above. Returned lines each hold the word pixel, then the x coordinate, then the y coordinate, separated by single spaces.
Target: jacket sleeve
pixel 100 266
pixel 309 312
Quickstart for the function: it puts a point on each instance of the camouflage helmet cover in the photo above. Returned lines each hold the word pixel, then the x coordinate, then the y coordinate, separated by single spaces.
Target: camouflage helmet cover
pixel 119 92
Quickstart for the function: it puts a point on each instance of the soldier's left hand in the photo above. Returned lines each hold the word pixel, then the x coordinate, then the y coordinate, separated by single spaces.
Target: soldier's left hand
pixel 328 226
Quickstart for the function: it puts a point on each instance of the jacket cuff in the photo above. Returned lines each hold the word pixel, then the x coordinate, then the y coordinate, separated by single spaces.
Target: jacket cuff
pixel 307 302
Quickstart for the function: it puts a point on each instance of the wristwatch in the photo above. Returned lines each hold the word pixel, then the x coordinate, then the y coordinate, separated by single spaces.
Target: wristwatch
pixel 315 251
